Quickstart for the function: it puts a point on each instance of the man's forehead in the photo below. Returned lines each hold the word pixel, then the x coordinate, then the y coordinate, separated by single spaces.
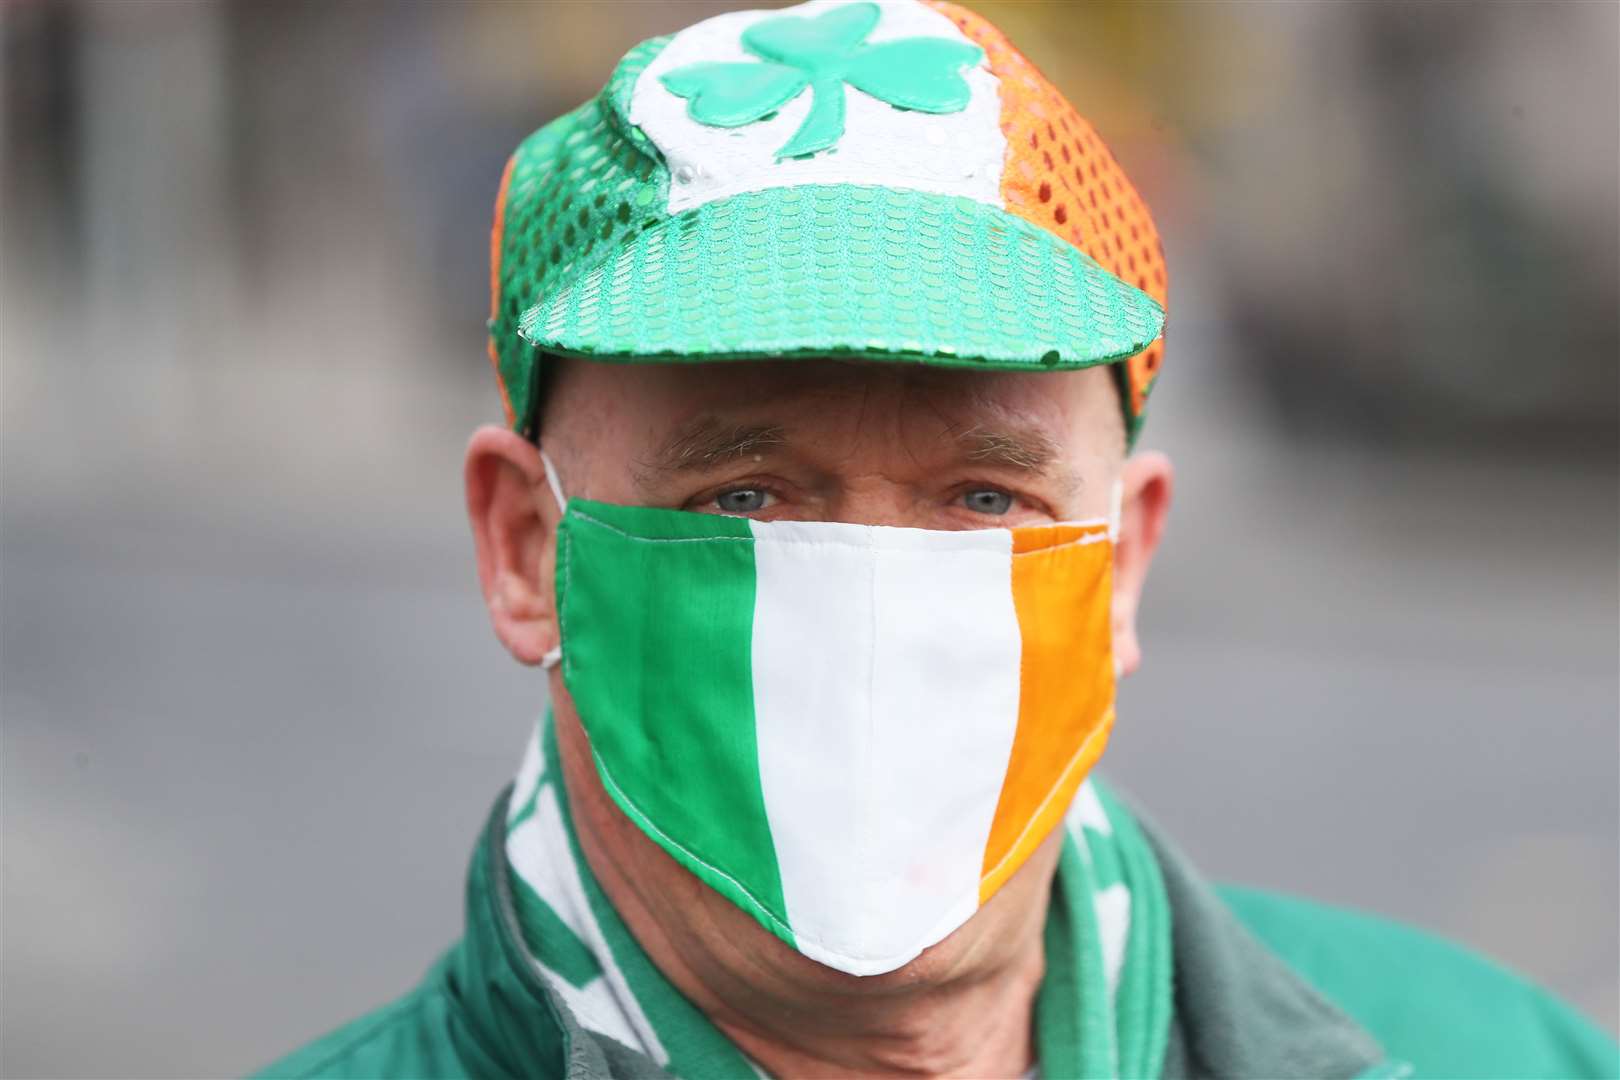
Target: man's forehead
pixel 700 415
pixel 710 440
pixel 679 392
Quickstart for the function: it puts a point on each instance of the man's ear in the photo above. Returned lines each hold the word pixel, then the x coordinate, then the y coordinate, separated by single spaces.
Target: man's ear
pixel 1147 480
pixel 514 525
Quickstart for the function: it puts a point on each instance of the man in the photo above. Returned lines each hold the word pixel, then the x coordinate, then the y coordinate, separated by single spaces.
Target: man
pixel 822 336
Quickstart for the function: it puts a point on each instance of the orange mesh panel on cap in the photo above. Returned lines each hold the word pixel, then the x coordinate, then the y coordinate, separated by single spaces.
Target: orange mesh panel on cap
pixel 1059 176
pixel 496 235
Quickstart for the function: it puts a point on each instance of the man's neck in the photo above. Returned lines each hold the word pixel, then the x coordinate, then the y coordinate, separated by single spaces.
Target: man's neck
pixel 974 1022
pixel 964 1008
pixel 981 1028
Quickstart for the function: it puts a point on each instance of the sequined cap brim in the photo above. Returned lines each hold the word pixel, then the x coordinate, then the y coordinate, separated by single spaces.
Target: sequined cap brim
pixel 845 269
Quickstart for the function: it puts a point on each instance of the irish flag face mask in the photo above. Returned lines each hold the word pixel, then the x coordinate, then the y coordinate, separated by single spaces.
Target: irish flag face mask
pixel 854 733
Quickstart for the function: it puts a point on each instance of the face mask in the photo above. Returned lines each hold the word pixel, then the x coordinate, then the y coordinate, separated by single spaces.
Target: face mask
pixel 854 733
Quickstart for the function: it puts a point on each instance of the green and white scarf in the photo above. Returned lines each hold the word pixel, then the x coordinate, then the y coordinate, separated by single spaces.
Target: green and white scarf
pixel 1103 1008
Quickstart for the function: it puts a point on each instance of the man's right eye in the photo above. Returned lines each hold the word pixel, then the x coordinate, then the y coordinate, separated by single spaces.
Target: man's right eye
pixel 987 501
pixel 742 500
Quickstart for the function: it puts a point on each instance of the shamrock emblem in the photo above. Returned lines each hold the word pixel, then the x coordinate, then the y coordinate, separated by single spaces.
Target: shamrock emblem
pixel 823 52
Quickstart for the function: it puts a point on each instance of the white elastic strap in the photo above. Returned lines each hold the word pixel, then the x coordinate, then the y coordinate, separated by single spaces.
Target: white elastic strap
pixel 553 657
pixel 1116 501
pixel 553 483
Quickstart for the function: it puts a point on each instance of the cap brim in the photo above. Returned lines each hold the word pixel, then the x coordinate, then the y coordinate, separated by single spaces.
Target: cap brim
pixel 844 269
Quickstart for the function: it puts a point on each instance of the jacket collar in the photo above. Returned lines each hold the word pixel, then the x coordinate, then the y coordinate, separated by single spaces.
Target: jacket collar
pixel 1239 1011
pixel 509 1020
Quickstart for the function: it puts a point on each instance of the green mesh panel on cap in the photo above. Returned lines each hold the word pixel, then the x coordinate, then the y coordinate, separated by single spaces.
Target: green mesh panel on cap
pixel 577 190
pixel 840 268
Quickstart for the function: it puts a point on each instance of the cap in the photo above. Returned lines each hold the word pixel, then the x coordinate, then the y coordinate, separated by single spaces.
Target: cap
pixel 885 180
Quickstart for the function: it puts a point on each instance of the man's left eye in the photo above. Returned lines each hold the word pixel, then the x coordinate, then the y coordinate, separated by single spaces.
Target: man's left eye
pixel 987 501
pixel 742 500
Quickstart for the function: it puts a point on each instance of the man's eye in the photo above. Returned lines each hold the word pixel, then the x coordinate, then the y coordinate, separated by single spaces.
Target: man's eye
pixel 742 500
pixel 987 501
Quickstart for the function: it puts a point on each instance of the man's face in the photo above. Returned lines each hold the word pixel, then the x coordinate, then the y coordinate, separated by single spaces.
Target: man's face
pixel 865 443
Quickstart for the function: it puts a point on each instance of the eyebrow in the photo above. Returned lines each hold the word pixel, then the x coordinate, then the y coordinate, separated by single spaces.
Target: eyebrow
pixel 1020 447
pixel 706 442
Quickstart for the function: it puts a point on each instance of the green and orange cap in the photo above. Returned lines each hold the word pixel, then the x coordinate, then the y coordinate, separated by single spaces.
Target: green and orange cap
pixel 888 181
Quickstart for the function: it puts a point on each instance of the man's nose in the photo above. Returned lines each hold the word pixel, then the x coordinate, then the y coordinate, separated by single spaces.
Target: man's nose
pixel 877 500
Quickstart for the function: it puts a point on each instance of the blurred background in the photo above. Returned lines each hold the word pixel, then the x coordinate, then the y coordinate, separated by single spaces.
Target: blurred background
pixel 252 714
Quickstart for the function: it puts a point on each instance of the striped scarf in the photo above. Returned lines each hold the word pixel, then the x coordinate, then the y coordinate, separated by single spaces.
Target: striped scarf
pixel 1103 1008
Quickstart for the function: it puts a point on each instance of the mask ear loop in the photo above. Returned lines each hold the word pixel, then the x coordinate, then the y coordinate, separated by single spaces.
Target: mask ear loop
pixel 553 656
pixel 1116 501
pixel 553 483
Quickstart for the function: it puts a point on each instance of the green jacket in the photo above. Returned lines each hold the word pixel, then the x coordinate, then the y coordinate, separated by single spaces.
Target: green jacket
pixel 1265 986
